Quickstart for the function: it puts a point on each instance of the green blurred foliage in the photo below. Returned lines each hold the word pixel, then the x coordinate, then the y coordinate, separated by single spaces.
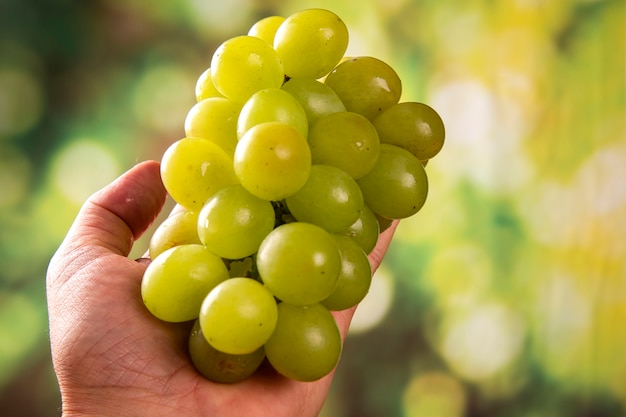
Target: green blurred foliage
pixel 504 296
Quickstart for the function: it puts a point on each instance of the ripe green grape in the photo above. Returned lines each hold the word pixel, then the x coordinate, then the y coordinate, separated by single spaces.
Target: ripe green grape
pixel 306 344
pixel 244 65
pixel 266 28
pixel 364 230
pixel 233 223
pixel 310 43
pixel 176 282
pixel 178 229
pixel 413 126
pixel 330 199
pixel 272 105
pixel 238 316
pixel 205 87
pixel 366 85
pixel 193 169
pixel 316 98
pixel 383 222
pixel 214 119
pixel 345 140
pixel 299 263
pixel 397 186
pixel 219 366
pixel 355 276
pixel 272 160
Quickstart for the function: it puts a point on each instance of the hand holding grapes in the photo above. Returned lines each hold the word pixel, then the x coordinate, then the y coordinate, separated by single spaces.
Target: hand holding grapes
pixel 111 356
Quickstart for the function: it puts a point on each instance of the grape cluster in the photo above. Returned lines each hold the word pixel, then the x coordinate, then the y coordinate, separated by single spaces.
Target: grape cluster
pixel 294 159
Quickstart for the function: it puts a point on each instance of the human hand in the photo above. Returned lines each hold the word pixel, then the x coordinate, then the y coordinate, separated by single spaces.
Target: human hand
pixel 112 357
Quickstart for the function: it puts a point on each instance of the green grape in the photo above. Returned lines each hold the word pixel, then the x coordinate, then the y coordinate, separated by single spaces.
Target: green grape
pixel 214 119
pixel 218 366
pixel 397 186
pixel 366 85
pixel 272 160
pixel 355 276
pixel 345 140
pixel 178 229
pixel 272 105
pixel 233 223
pixel 310 43
pixel 316 98
pixel 306 344
pixel 383 223
pixel 193 169
pixel 244 65
pixel 330 199
pixel 205 87
pixel 266 28
pixel 415 127
pixel 238 316
pixel 176 282
pixel 364 230
pixel 299 263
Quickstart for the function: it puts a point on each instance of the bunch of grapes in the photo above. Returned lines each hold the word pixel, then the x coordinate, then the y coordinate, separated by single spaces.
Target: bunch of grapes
pixel 294 159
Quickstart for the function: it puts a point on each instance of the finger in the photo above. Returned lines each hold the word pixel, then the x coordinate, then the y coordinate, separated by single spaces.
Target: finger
pixel 384 240
pixel 114 217
pixel 344 317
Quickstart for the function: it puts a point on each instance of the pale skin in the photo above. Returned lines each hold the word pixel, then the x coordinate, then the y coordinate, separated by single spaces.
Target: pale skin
pixel 111 357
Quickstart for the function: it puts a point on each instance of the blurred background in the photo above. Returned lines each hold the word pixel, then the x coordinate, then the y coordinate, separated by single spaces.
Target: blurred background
pixel 504 296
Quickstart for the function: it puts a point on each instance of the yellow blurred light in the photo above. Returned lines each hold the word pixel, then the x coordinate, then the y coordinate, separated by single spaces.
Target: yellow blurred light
pixel 15 176
pixel 83 167
pixel 220 18
pixel 163 96
pixel 434 394
pixel 483 136
pixel 563 313
pixel 483 341
pixel 374 307
pixel 21 102
pixel 459 275
pixel 21 325
pixel 573 212
pixel 600 180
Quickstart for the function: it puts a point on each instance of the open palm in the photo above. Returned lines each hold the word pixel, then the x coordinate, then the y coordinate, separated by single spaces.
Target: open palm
pixel 111 356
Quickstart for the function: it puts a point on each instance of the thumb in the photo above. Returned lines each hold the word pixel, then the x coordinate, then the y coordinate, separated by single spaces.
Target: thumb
pixel 114 217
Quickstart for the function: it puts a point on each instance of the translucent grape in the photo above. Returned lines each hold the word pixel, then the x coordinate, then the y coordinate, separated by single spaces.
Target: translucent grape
pixel 365 230
pixel 316 98
pixel 176 282
pixel 345 140
pixel 306 344
pixel 205 87
pixel 413 126
pixel 266 28
pixel 272 160
pixel 272 105
pixel 219 366
pixel 383 223
pixel 214 119
pixel 366 85
pixel 193 169
pixel 178 229
pixel 310 43
pixel 397 186
pixel 355 276
pixel 330 199
pixel 244 65
pixel 233 222
pixel 299 263
pixel 238 316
